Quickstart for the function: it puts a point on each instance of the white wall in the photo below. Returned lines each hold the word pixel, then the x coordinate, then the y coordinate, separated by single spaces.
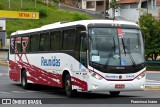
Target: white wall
pixel 84 4
pixel 3 24
pixel 130 14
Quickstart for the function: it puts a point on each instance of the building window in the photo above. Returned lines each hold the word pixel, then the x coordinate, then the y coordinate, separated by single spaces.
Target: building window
pixel 90 4
pixel 133 6
pixel 44 42
pixel 144 4
pixel 124 6
pixel 56 43
pixel 99 3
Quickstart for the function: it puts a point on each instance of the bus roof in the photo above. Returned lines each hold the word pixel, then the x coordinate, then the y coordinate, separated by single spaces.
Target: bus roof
pixel 65 24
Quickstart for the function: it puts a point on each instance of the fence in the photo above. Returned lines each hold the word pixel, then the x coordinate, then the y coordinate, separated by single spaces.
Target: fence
pixel 153 65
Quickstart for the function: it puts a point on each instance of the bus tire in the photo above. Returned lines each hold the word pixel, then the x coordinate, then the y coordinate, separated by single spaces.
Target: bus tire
pixel 68 87
pixel 24 83
pixel 114 93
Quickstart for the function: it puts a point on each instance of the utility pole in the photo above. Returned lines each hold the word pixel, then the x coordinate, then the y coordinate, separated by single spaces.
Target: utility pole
pixel 104 9
pixel 35 3
pixel 9 2
pixel 21 4
pixel 47 2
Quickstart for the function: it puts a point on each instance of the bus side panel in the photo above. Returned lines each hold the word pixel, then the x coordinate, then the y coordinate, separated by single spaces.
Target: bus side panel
pixel 39 70
pixel 37 75
pixel 14 72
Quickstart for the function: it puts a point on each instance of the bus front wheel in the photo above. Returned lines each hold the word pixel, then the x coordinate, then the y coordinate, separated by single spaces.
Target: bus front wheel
pixel 68 86
pixel 114 93
pixel 24 79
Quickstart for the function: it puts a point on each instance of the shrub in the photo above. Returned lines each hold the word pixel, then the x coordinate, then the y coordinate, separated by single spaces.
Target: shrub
pixel 1 6
pixel 42 13
pixel 150 26
pixel 77 16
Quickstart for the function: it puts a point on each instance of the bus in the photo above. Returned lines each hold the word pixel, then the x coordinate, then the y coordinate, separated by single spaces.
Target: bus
pixel 81 56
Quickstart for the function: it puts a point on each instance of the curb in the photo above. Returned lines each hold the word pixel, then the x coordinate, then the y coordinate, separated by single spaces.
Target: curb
pixel 4 64
pixel 152 88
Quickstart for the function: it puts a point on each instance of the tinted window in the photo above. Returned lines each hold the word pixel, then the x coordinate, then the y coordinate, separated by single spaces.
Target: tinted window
pixel 44 42
pixel 25 44
pixel 69 39
pixel 77 43
pixel 12 45
pixel 56 41
pixel 78 34
pixel 18 45
pixel 35 43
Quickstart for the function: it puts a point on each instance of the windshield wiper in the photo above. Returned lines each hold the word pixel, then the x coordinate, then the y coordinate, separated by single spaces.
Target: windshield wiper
pixel 124 47
pixel 97 64
pixel 129 53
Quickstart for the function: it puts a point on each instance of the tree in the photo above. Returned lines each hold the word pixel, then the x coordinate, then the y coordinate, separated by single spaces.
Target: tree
pixel 114 5
pixel 150 27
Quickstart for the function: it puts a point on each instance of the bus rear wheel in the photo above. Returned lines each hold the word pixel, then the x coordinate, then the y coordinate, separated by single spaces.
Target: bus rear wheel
pixel 68 86
pixel 24 83
pixel 114 93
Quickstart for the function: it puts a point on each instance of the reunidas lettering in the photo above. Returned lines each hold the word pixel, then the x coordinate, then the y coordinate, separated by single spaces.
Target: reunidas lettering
pixel 53 61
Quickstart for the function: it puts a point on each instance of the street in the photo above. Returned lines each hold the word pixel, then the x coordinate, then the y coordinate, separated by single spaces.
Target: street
pixel 11 89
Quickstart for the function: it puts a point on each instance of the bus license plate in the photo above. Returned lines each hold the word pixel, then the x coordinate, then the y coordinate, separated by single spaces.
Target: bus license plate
pixel 120 86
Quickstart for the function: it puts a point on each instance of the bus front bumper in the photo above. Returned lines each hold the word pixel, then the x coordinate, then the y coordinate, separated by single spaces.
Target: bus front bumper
pixel 105 86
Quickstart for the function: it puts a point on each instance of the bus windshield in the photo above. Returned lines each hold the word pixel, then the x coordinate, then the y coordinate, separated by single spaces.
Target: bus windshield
pixel 109 48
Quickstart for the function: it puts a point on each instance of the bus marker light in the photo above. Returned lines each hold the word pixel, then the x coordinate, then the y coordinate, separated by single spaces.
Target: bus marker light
pixel 142 86
pixel 94 86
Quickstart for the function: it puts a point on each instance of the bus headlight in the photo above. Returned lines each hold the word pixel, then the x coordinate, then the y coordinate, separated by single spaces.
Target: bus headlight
pixel 141 76
pixel 95 75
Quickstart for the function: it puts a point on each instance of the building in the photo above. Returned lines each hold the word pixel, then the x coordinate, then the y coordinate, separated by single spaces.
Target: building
pixel 132 9
pixel 92 5
pixel 2 33
pixel 95 5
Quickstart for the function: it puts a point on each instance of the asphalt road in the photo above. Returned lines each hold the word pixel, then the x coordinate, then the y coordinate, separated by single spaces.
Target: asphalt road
pixel 11 89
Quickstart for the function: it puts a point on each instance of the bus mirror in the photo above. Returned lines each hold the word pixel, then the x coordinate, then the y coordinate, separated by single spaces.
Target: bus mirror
pixel 85 43
pixel 143 36
pixel 83 34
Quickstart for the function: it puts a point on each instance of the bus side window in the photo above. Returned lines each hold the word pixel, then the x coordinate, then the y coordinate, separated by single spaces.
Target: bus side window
pixel 78 41
pixel 25 44
pixel 69 39
pixel 83 53
pixel 18 45
pixel 44 42
pixel 12 45
pixel 56 43
pixel 34 46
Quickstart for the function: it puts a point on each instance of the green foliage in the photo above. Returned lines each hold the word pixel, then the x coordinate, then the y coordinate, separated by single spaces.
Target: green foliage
pixel 42 13
pixel 151 27
pixel 77 16
pixel 1 6
pixel 57 1
pixel 114 5
pixel 48 14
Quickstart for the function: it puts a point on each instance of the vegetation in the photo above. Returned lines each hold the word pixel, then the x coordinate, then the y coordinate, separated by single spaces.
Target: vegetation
pixel 114 5
pixel 150 27
pixel 48 14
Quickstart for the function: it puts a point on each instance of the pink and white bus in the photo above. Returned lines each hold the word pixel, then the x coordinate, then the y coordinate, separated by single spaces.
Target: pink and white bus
pixel 87 56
